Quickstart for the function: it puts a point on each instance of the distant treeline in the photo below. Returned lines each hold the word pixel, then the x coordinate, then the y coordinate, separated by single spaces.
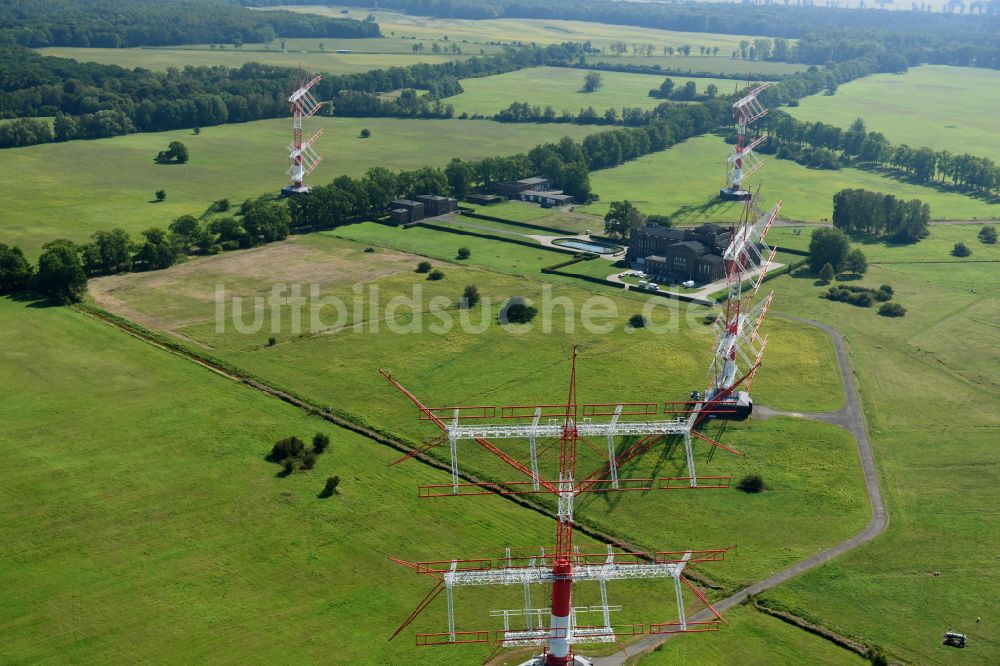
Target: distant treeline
pixel 880 215
pixel 829 33
pixel 121 23
pixel 828 145
pixel 91 100
pixel 630 68
pixel 568 162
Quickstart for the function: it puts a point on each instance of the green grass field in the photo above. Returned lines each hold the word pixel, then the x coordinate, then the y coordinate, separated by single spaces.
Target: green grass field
pixel 929 388
pixel 751 639
pixel 561 88
pixel 810 467
pixel 530 30
pixel 140 528
pixel 159 59
pixel 684 180
pixel 946 108
pixel 80 187
pixel 935 248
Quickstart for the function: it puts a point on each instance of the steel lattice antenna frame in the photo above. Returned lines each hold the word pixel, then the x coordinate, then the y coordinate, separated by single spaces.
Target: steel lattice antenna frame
pixel 566 566
pixel 737 353
pixel 738 345
pixel 302 157
pixel 743 161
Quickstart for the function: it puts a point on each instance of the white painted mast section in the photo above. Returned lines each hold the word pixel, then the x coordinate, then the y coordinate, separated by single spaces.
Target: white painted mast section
pixel 533 446
pixel 612 461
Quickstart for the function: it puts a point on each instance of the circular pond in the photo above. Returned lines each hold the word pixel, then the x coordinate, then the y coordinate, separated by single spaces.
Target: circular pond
pixel 587 246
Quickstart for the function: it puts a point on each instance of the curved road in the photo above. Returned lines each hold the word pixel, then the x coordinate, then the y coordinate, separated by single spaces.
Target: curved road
pixel 850 418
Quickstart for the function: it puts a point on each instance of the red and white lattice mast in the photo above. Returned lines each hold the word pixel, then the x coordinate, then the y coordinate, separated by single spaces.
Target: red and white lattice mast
pixel 739 347
pixel 556 628
pixel 302 157
pixel 743 161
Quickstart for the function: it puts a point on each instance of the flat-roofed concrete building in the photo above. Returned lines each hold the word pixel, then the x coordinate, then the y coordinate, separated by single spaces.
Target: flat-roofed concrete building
pixel 435 205
pixel 512 188
pixel 405 211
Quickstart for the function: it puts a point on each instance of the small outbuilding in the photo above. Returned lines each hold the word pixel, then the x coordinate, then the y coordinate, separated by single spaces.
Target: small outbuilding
pixel 405 211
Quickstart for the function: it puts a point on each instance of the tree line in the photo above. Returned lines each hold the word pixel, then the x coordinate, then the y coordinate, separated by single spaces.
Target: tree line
pixel 880 215
pixel 829 146
pixel 567 163
pixel 90 100
pixel 64 266
pixel 125 23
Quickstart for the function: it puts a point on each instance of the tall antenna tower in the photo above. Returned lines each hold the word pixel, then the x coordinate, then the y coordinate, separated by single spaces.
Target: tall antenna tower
pixel 737 352
pixel 743 161
pixel 302 157
pixel 556 628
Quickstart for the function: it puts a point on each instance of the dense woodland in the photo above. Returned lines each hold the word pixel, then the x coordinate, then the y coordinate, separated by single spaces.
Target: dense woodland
pixel 114 24
pixel 92 100
pixel 881 215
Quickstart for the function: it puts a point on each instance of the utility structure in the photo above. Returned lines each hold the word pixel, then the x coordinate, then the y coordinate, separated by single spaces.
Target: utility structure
pixel 736 356
pixel 557 628
pixel 743 161
pixel 302 156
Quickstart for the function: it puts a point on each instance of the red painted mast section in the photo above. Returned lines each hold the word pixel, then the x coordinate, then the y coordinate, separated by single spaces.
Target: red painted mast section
pixel 562 569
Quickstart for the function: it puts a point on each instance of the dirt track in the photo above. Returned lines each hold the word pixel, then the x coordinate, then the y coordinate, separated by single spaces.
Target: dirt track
pixel 851 418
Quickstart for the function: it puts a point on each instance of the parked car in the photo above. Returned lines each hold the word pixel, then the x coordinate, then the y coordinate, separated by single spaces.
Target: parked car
pixel 688 284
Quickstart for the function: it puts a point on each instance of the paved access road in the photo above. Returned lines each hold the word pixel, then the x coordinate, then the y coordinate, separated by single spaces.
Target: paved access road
pixel 850 418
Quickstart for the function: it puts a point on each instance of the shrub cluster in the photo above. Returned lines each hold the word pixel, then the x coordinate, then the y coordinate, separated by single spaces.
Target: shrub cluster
pixel 861 296
pixel 752 483
pixel 293 454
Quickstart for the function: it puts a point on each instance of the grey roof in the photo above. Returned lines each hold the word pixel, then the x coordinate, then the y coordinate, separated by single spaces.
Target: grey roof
pixel 655 257
pixel 405 202
pixel 694 246
pixel 711 258
pixel 432 197
pixel 710 228
pixel 662 232
pixel 548 195
pixel 535 180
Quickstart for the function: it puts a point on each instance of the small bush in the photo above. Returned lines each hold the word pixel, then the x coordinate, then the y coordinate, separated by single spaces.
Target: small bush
pixel 826 273
pixel 161 195
pixel 289 447
pixel 961 250
pixel 308 460
pixel 517 311
pixel 464 253
pixel 271 341
pixel 221 206
pixel 330 489
pixel 988 234
pixel 365 133
pixel 637 321
pixel 424 267
pixel 470 297
pixel 435 275
pixel 752 483
pixel 321 442
pixel 290 465
pixel 892 310
pixel 369 249
pixel 887 288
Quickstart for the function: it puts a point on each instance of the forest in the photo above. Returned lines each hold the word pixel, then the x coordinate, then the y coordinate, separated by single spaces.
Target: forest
pixel 115 24
pixel 90 100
